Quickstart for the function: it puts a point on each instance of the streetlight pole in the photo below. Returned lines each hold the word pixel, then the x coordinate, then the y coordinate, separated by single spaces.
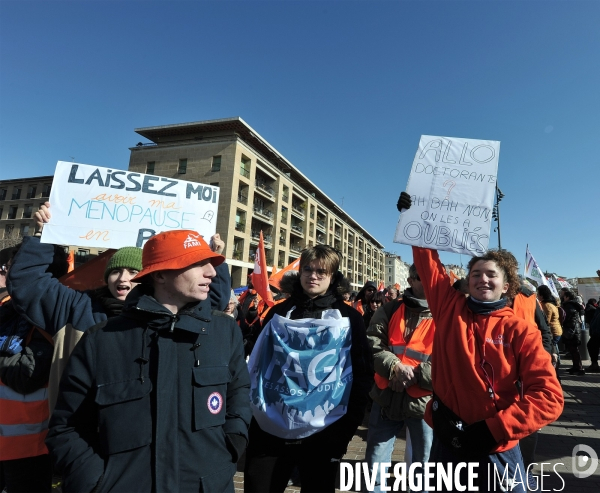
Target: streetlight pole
pixel 496 213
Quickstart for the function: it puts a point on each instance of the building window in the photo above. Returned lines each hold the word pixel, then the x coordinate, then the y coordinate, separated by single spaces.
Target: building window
pixel 27 210
pixel 285 196
pixel 46 189
pixel 150 167
pixel 24 229
pixel 3 193
pixel 245 167
pixel 216 163
pixel 31 191
pixel 81 256
pixel 16 193
pixel 182 169
pixel 8 230
pixel 284 214
pixel 240 220
pixel 1 211
pixel 312 211
pixel 12 212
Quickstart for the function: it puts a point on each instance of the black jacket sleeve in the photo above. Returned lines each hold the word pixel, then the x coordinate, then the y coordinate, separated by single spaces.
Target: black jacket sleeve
pixel 220 288
pixel 540 320
pixel 73 435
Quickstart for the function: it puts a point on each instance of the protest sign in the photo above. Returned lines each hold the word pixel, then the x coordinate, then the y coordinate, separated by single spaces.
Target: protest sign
pixel 452 185
pixel 105 208
pixel 588 287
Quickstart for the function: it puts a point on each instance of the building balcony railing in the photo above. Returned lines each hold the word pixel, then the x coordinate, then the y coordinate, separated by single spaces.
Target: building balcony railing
pixel 321 225
pixel 298 210
pixel 237 255
pixel 263 187
pixel 244 172
pixel 321 240
pixel 240 226
pixel 282 242
pixel 256 236
pixel 298 230
pixel 296 247
pixel 263 213
pixel 337 235
pixel 242 199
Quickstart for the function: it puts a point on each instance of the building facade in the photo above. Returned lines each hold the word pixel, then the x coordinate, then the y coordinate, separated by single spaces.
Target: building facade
pixel 260 190
pixel 396 271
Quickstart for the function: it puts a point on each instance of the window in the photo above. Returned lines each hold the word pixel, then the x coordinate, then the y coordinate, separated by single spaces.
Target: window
pixel 46 189
pixel 312 211
pixel 27 210
pixel 284 214
pixel 240 220
pixel 1 211
pixel 24 229
pixel 16 193
pixel 8 230
pixel 245 167
pixel 12 212
pixel 182 170
pixel 285 196
pixel 150 167
pixel 3 193
pixel 31 191
pixel 216 163
pixel 81 255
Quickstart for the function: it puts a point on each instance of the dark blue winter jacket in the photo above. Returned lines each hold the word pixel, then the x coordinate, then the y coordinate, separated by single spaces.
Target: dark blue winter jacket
pixel 152 401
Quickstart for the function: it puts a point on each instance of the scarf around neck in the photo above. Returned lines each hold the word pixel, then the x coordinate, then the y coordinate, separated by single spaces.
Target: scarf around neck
pixel 485 307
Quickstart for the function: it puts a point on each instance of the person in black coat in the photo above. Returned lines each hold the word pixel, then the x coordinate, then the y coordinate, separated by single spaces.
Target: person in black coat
pixel 270 459
pixel 572 329
pixel 156 399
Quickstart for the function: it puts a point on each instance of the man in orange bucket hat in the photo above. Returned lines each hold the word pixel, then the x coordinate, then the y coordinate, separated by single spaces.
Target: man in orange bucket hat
pixel 156 399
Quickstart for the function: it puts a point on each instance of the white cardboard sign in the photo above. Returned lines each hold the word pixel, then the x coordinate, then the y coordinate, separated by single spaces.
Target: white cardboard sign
pixel 452 185
pixel 105 208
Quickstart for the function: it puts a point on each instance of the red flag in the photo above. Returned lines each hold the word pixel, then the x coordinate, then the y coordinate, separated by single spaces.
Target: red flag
pixel 276 278
pixel 89 275
pixel 71 260
pixel 381 286
pixel 397 286
pixel 260 276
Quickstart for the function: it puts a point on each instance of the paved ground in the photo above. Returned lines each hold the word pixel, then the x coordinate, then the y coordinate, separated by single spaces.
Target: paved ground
pixel 578 424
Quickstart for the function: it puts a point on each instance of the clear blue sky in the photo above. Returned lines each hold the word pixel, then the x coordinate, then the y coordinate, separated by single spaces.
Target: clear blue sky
pixel 342 89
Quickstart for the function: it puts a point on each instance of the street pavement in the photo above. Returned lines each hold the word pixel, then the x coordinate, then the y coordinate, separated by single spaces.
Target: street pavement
pixel 579 424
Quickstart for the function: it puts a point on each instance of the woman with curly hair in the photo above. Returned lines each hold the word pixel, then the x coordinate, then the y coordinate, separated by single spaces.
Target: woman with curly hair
pixel 493 382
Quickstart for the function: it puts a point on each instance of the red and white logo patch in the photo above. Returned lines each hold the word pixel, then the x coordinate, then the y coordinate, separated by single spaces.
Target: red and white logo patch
pixel 215 403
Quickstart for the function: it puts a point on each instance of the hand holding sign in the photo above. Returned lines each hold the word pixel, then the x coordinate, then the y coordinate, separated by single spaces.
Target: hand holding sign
pixel 451 188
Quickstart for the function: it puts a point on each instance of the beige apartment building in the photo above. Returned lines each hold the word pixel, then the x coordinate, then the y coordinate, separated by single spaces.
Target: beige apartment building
pixel 259 190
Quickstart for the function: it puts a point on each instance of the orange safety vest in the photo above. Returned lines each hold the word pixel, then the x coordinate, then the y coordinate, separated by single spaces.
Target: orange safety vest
pixel 359 307
pixel 418 350
pixel 23 420
pixel 524 307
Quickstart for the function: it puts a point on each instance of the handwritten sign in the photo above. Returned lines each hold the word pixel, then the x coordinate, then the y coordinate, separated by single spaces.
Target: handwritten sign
pixel 105 208
pixel 452 185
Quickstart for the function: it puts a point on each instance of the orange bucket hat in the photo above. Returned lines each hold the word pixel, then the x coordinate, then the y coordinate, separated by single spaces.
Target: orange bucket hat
pixel 173 250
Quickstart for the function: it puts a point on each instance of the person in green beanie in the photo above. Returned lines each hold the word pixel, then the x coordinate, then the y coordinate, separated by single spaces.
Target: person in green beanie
pixel 122 267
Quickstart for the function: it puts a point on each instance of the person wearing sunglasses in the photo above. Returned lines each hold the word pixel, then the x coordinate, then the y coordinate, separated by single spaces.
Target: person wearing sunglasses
pixel 377 300
pixel 361 302
pixel 493 382
pixel 401 337
pixel 315 293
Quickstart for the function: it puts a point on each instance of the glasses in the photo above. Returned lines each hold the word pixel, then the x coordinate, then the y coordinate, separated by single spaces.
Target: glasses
pixel 308 271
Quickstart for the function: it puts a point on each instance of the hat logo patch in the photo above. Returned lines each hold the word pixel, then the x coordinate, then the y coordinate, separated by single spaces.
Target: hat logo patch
pixel 215 403
pixel 191 241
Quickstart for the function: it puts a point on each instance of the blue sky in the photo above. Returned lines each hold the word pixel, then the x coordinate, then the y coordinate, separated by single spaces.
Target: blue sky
pixel 343 89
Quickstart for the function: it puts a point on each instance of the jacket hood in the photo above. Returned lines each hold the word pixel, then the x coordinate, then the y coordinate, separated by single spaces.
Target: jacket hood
pixel 361 293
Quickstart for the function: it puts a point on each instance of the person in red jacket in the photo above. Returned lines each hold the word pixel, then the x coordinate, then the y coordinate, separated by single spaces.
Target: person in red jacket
pixel 493 382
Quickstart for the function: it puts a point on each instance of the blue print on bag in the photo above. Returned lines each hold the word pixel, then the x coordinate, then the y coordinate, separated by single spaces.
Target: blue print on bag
pixel 301 373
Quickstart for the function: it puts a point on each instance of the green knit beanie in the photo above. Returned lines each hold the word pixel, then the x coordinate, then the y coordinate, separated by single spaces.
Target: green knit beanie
pixel 126 257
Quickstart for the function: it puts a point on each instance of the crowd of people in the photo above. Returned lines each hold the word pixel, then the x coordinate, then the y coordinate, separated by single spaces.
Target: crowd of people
pixel 163 378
